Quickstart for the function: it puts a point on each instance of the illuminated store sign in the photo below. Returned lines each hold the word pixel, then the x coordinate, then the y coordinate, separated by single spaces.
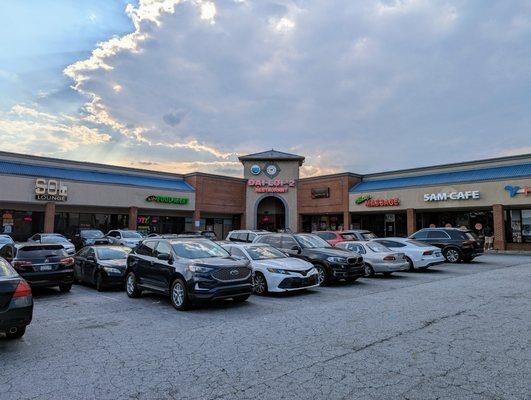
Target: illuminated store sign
pixel 167 199
pixel 382 202
pixel 50 190
pixel 516 190
pixel 271 185
pixel 443 196
pixel 363 199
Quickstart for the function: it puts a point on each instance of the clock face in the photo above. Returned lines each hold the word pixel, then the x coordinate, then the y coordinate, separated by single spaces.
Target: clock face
pixel 255 169
pixel 271 170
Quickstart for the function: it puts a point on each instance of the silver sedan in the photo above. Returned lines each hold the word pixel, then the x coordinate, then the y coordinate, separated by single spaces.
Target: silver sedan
pixel 378 258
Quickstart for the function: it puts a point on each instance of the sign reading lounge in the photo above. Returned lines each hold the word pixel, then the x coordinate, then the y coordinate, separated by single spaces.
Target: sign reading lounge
pixel 445 196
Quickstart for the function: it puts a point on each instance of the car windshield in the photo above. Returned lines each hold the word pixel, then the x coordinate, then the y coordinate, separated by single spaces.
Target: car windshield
pixel 193 249
pixel 53 239
pixel 106 253
pixel 311 241
pixel 95 234
pixel 131 235
pixel 418 244
pixel 378 248
pixel 264 252
pixel 368 235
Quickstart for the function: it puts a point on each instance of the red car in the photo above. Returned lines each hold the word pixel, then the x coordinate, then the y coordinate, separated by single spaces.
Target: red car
pixel 334 237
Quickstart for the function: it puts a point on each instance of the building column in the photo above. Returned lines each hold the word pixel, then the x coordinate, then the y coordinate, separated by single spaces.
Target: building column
pixel 49 218
pixel 411 221
pixel 346 220
pixel 499 227
pixel 133 215
pixel 197 217
pixel 242 221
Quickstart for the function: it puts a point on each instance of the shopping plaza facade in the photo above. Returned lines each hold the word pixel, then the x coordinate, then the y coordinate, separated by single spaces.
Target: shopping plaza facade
pixel 40 194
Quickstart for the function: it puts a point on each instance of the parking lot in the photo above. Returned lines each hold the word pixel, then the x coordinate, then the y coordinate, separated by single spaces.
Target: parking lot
pixel 452 332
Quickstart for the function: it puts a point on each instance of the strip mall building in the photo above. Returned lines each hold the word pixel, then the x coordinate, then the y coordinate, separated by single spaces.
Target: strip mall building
pixel 49 195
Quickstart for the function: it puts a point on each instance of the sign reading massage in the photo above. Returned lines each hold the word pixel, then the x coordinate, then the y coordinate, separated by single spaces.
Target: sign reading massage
pixel 50 190
pixel 167 199
pixel 370 202
pixel 445 196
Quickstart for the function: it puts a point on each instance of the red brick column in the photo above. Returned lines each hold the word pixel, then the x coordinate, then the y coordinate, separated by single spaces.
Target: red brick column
pixel 197 217
pixel 49 218
pixel 499 227
pixel 133 215
pixel 411 221
pixel 346 220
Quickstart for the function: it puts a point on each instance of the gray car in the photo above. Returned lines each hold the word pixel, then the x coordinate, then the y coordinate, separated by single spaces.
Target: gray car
pixel 378 258
pixel 54 238
pixel 124 237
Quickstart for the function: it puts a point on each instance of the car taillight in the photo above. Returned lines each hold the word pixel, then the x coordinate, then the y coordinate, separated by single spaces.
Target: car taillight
pixel 23 289
pixel 67 261
pixel 21 264
pixel 427 253
pixel 389 258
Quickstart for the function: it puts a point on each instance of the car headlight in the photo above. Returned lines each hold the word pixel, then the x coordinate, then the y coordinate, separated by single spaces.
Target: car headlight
pixel 339 260
pixel 278 271
pixel 111 270
pixel 198 269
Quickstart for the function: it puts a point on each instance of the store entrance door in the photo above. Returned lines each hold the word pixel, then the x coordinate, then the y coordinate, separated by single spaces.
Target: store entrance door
pixel 271 214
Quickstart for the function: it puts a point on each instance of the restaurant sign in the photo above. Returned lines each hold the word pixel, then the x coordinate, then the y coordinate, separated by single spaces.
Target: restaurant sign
pixel 50 190
pixel 271 185
pixel 167 199
pixel 445 196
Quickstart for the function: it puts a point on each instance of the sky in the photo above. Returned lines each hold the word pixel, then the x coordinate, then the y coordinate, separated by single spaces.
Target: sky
pixel 188 85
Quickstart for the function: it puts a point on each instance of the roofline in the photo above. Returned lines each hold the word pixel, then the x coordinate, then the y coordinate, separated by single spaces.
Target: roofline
pixel 328 176
pixel 215 176
pixel 457 164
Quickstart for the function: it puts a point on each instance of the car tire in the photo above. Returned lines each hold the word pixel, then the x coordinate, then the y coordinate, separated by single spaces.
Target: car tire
pixel 352 279
pixel 323 277
pixel 259 284
pixel 410 263
pixel 179 295
pixel 369 270
pixel 65 287
pixel 387 273
pixel 241 299
pixel 468 259
pixel 131 288
pixel 100 282
pixel 452 255
pixel 21 330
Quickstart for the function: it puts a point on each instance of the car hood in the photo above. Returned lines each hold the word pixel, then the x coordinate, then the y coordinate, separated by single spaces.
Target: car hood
pixel 220 262
pixel 330 252
pixel 114 263
pixel 295 264
pixel 93 240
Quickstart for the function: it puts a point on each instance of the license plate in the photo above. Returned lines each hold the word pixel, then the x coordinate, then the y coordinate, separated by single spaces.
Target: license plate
pixel 45 268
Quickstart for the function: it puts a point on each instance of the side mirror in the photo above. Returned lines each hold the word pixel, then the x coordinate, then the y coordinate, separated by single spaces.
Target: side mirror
pixel 296 249
pixel 164 257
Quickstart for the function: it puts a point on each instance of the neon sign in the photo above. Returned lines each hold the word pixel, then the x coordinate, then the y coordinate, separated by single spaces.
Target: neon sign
pixel 271 185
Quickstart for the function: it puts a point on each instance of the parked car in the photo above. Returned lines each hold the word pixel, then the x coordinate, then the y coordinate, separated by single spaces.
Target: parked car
pixel 16 302
pixel 334 237
pixel 89 237
pixel 207 234
pixel 244 235
pixel 273 270
pixel 360 234
pixel 41 265
pixel 6 239
pixel 123 237
pixel 377 258
pixel 457 244
pixel 418 255
pixel 54 238
pixel 187 270
pixel 102 266
pixel 332 264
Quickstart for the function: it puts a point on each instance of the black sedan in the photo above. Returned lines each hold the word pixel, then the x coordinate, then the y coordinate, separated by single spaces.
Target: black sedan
pixel 16 302
pixel 102 266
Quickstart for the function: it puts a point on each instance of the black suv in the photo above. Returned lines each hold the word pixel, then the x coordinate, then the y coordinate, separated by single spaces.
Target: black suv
pixel 331 263
pixel 187 269
pixel 457 244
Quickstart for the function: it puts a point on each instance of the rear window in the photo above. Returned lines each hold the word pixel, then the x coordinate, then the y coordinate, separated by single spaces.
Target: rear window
pixel 348 236
pixel 6 270
pixel 368 235
pixel 41 252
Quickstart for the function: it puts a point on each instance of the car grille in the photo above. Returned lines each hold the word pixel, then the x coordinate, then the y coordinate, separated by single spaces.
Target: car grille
pixel 231 274
pixel 354 260
pixel 303 273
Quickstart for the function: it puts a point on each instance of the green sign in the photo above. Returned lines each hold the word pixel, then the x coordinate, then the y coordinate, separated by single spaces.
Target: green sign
pixel 167 199
pixel 363 199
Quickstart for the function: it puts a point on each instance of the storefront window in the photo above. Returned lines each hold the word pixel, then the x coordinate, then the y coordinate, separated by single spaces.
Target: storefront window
pixel 383 225
pixel 20 225
pixel 332 222
pixel 69 223
pixel 474 220
pixel 519 226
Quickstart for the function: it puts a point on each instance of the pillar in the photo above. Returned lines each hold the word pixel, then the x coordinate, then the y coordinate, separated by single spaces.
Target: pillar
pixel 197 217
pixel 49 218
pixel 499 227
pixel 346 220
pixel 133 215
pixel 411 221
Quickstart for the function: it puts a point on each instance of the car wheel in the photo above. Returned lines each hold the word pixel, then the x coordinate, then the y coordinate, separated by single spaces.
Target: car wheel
pixel 410 263
pixel 100 282
pixel 369 271
pixel 131 287
pixel 322 276
pixel 65 287
pixel 241 299
pixel 21 330
pixel 452 255
pixel 259 284
pixel 179 295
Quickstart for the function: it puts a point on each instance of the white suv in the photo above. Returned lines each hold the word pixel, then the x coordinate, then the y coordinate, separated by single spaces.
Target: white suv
pixel 244 235
pixel 124 237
